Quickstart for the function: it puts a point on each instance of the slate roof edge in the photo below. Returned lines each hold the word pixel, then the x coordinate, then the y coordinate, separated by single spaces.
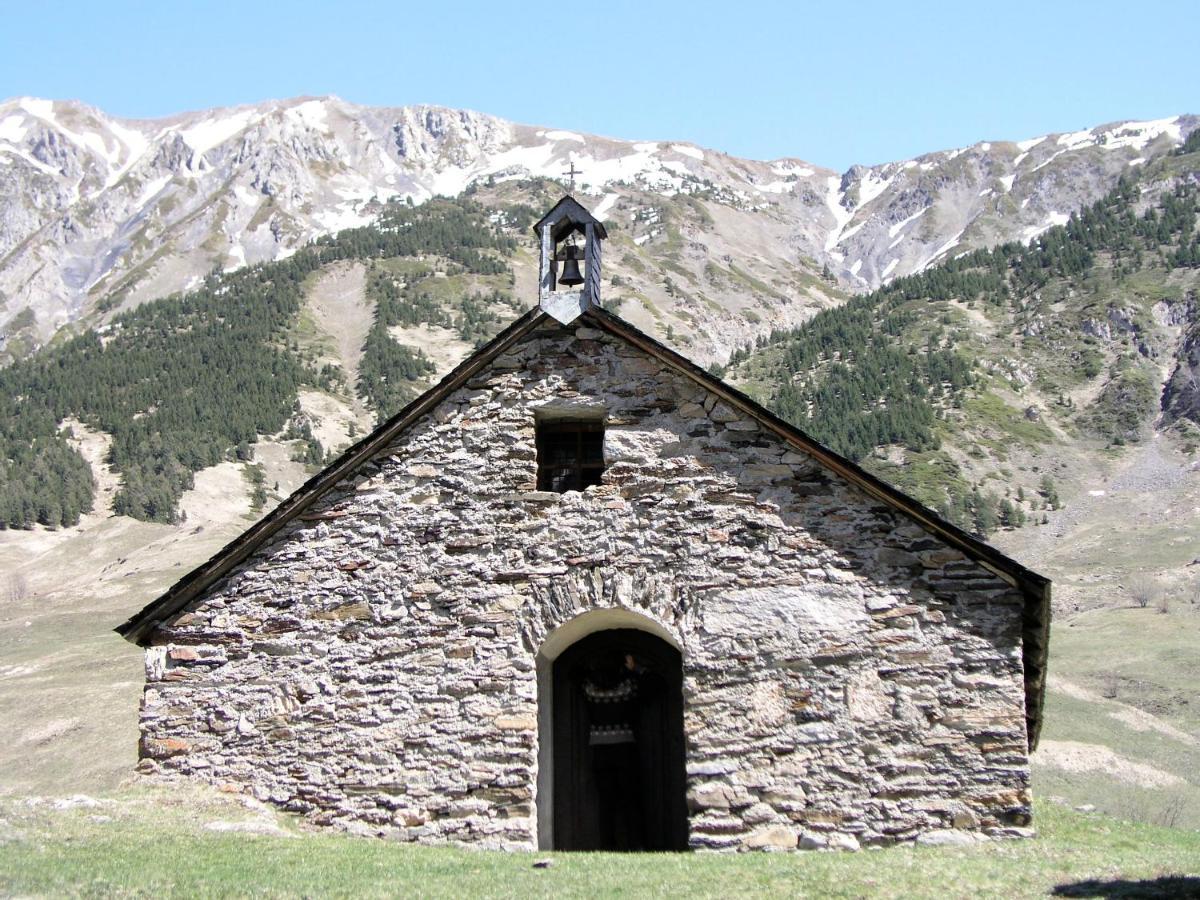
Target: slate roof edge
pixel 1034 586
pixel 139 626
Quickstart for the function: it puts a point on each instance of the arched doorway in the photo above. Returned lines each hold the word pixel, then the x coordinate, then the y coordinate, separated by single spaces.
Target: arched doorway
pixel 617 744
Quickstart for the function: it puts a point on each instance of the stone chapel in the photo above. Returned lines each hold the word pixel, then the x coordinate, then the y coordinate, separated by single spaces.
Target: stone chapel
pixel 584 595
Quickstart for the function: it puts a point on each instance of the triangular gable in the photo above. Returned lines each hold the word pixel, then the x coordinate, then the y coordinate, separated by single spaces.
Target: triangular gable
pixel 1035 587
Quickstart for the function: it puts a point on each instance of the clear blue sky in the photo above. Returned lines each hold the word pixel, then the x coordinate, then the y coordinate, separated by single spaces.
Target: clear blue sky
pixel 831 83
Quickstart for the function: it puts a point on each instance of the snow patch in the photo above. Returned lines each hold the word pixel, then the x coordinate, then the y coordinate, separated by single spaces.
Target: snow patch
pixel 245 196
pixel 851 232
pixel 312 113
pixel 1138 161
pixel 887 270
pixel 604 206
pixel 12 128
pixel 341 217
pixel 788 168
pixel 693 152
pixel 1033 231
pixel 1026 146
pixel 871 187
pixel 1137 135
pixel 43 109
pixel 854 268
pixel 776 187
pixel 1017 161
pixel 985 147
pixel 841 215
pixel 1007 181
pixel 562 136
pixel 36 163
pixel 1076 139
pixel 238 254
pixel 135 142
pixel 150 190
pixel 1052 158
pixel 210 133
pixel 945 247
pixel 530 160
pixel 899 226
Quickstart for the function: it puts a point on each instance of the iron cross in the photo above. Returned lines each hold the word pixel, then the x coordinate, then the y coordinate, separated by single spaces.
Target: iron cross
pixel 572 172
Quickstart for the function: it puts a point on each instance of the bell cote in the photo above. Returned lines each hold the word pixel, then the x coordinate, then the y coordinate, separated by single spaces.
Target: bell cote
pixel 569 269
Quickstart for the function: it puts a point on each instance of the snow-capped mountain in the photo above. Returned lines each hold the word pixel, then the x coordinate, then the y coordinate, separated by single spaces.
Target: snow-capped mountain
pixel 97 213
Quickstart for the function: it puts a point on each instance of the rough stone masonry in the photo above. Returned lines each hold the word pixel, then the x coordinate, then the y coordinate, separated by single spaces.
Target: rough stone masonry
pixel 849 677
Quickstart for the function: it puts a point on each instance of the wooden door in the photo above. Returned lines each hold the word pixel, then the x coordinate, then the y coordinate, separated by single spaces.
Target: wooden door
pixel 619 772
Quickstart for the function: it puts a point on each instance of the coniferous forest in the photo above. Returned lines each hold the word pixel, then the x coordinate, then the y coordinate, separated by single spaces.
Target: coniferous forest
pixel 886 367
pixel 180 383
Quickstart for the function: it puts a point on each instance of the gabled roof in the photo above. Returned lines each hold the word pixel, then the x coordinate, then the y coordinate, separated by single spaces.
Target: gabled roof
pixel 565 216
pixel 1035 587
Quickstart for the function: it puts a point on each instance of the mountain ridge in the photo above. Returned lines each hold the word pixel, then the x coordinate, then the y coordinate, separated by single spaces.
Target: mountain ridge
pixel 101 213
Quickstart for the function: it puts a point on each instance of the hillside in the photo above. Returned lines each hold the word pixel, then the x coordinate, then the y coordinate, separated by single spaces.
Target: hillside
pixel 991 365
pixel 145 444
pixel 99 214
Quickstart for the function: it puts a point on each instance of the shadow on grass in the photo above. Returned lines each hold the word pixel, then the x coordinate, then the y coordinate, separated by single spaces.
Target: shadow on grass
pixel 1164 886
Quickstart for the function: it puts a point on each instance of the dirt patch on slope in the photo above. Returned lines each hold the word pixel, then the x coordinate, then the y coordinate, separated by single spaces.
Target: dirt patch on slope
pixel 1080 758
pixel 339 308
pixel 442 345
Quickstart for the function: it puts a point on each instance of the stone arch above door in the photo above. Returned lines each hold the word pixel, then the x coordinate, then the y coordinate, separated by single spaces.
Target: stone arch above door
pixel 562 609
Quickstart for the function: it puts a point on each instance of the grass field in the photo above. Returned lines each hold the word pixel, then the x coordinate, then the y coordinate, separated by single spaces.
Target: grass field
pixel 152 843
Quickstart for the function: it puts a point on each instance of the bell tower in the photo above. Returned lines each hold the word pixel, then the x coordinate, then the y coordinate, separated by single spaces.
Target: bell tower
pixel 570 236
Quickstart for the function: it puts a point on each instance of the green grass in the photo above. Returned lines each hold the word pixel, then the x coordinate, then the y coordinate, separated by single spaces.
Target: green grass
pixel 1069 718
pixel 157 846
pixel 1130 659
pixel 992 415
pixel 928 476
pixel 1157 667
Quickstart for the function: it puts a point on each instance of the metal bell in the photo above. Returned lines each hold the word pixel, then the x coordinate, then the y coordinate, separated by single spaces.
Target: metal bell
pixel 571 275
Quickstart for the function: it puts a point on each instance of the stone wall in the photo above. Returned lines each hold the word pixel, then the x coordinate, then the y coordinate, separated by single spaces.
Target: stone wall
pixel 849 679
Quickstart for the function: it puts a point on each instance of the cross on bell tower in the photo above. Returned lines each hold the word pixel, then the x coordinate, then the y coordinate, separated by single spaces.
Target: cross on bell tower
pixel 567 294
pixel 571 173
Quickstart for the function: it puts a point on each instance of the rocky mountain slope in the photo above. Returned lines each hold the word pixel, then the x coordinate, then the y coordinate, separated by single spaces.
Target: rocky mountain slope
pixel 99 213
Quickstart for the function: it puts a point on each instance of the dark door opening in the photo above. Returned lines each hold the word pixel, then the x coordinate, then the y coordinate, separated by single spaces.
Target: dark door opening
pixel 619 777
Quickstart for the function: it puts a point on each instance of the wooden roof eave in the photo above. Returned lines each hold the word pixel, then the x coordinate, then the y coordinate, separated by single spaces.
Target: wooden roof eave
pixel 140 626
pixel 1035 587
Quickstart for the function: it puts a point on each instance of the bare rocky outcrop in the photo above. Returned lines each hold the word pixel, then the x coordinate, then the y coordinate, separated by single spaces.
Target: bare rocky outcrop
pixel 1181 394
